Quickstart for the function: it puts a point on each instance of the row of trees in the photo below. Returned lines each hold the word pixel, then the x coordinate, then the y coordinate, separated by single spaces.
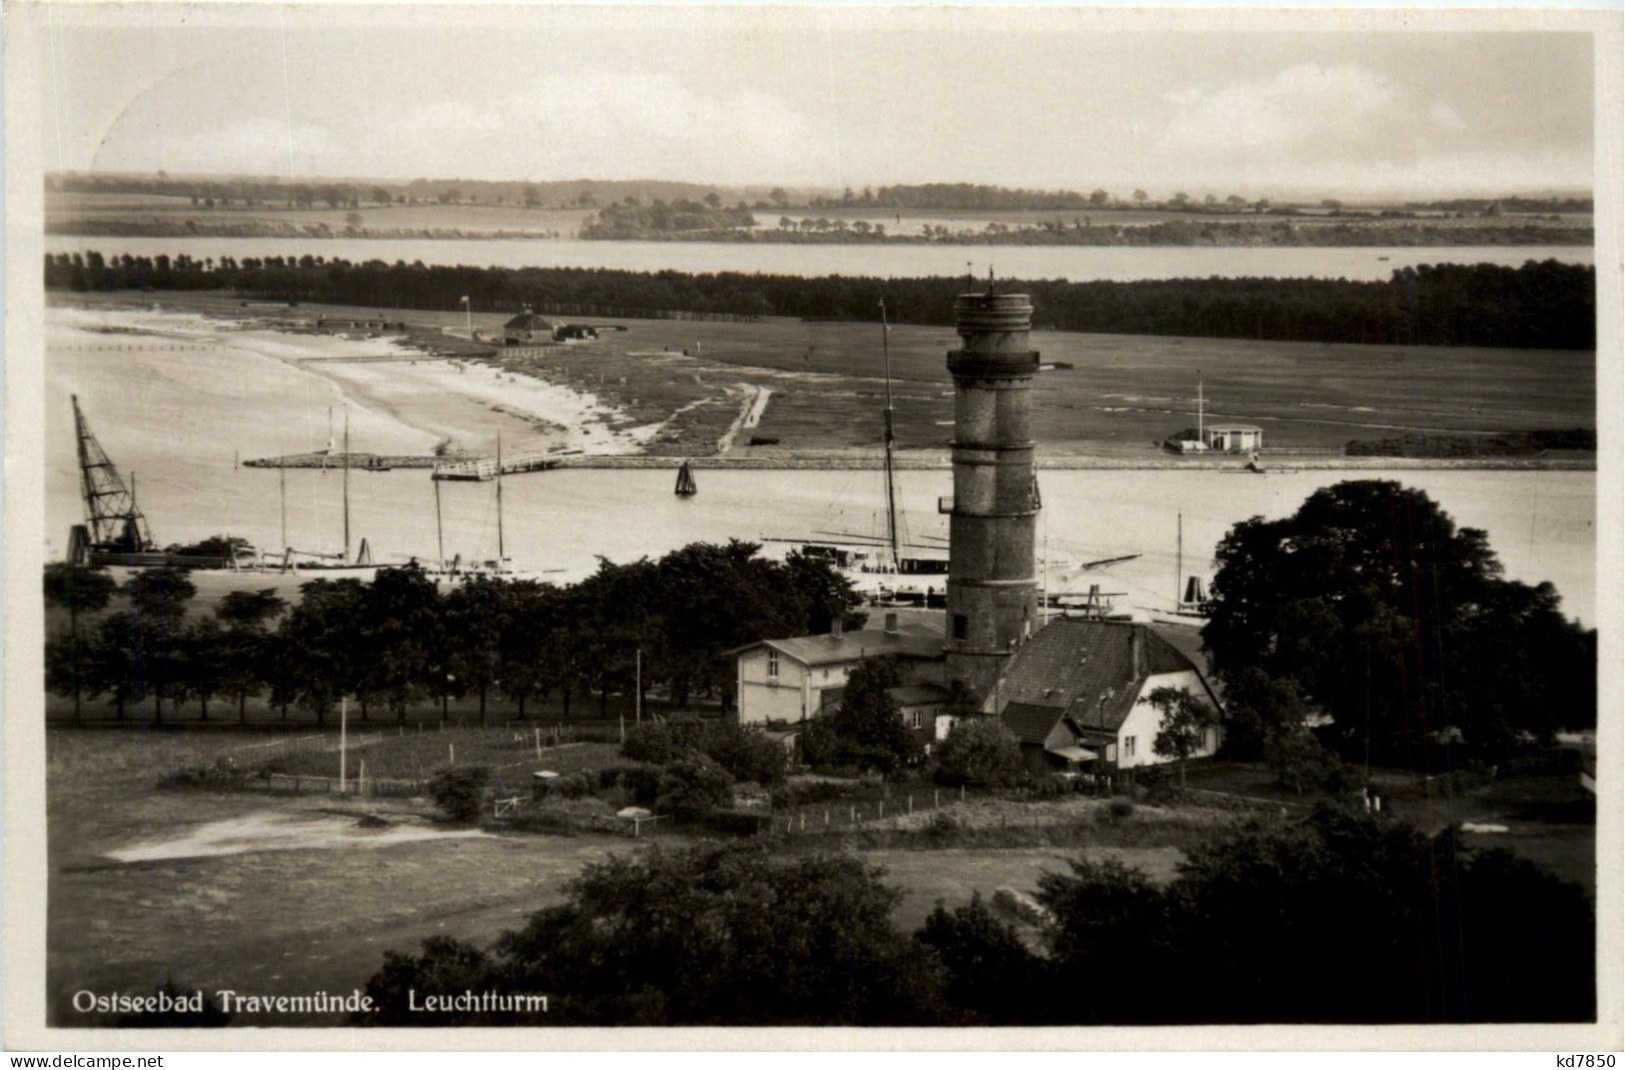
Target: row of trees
pixel 1371 606
pixel 1544 305
pixel 1339 918
pixel 631 220
pixel 402 640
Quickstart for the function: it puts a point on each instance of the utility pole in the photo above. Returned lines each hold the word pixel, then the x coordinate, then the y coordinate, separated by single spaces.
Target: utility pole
pixel 346 486
pixel 639 685
pixel 344 725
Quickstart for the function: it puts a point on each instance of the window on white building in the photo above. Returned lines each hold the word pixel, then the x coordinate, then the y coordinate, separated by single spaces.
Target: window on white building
pixel 916 718
pixel 1128 746
pixel 772 664
pixel 1111 752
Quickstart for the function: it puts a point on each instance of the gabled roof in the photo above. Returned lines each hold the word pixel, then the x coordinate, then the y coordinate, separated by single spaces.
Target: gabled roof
pixel 908 641
pixel 1031 723
pixel 1088 670
pixel 528 321
pixel 919 694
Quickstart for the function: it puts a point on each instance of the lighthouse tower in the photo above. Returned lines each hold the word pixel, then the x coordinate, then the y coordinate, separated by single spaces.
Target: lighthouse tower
pixel 993 516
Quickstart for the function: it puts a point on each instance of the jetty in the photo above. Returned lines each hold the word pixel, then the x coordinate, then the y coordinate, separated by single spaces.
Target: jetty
pixel 483 469
pixel 361 462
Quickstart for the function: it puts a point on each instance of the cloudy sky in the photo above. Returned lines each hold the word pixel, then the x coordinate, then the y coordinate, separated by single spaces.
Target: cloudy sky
pixel 813 97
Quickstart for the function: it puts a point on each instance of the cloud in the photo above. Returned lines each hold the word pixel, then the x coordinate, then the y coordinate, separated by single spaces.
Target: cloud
pixel 1304 105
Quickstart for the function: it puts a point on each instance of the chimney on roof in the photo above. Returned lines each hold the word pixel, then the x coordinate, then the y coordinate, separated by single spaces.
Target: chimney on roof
pixel 1137 650
pixel 835 628
pixel 891 624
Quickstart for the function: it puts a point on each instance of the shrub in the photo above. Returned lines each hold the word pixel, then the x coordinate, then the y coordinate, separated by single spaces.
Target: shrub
pixel 744 752
pixel 1121 809
pixel 979 752
pixel 687 731
pixel 571 786
pixel 640 782
pixel 460 793
pixel 221 775
pixel 649 743
pixel 694 786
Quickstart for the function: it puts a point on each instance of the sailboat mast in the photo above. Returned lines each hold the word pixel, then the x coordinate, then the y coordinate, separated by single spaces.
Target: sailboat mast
pixel 282 486
pixel 439 528
pixel 1179 564
pixel 346 486
pixel 891 486
pixel 501 551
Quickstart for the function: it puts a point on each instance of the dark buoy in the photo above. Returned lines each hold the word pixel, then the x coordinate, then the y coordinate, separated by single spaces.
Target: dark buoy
pixel 685 482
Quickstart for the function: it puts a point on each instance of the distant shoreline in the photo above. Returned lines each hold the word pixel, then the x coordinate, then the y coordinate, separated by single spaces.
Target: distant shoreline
pixel 938 460
pixel 1195 233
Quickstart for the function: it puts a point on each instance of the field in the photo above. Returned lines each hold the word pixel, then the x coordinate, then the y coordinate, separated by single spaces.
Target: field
pixel 286 895
pixel 1122 397
pixel 108 213
pixel 67 211
pixel 1545 819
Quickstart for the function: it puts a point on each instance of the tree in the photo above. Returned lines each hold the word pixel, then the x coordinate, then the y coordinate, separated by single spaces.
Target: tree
pixel 992 979
pixel 1374 922
pixel 693 786
pixel 476 613
pixel 707 935
pixel 1141 196
pixel 77 589
pixel 1186 721
pixel 979 752
pixel 401 638
pixel 1372 603
pixel 779 198
pixel 1100 198
pixel 745 753
pixel 245 649
pixel 1236 201
pixel 158 599
pixel 353 220
pixel 866 730
pixel 323 639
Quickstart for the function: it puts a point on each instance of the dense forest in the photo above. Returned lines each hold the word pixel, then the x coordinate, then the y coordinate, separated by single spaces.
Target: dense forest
pixel 1547 304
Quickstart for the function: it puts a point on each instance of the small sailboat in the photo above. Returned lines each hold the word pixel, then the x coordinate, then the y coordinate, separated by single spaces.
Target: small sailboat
pixel 686 487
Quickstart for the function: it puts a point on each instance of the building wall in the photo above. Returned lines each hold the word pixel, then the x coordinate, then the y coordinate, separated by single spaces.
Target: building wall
pixel 762 698
pixel 1145 721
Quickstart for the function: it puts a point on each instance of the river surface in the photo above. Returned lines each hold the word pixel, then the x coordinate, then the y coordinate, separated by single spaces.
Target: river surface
pixel 175 400
pixel 1075 262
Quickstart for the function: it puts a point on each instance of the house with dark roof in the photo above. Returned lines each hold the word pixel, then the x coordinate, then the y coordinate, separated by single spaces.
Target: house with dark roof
pixel 786 681
pixel 527 328
pixel 1076 695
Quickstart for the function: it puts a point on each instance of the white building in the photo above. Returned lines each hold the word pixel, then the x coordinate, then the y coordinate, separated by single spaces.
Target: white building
pixel 783 681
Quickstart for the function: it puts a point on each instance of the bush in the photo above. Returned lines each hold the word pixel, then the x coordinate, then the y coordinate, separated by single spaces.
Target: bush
pixel 640 782
pixel 460 793
pixel 980 753
pixel 744 752
pixel 649 743
pixel 694 786
pixel 571 786
pixel 1121 809
pixel 221 775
